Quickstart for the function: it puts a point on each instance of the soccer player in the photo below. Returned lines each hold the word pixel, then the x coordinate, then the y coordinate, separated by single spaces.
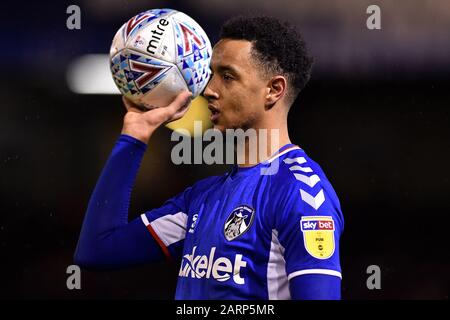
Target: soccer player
pixel 242 235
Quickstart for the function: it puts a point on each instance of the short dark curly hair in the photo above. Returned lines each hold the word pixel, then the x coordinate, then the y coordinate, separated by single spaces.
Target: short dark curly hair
pixel 277 48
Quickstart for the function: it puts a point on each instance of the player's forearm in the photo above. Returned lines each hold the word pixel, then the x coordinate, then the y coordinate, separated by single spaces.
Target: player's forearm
pixel 108 207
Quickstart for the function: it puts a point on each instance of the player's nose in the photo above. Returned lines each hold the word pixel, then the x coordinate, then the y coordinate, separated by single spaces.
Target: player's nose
pixel 209 92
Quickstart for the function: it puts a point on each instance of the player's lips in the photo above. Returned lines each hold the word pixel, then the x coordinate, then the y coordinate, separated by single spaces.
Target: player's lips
pixel 215 113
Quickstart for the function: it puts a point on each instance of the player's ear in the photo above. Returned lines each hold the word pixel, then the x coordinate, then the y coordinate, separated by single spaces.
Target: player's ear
pixel 276 89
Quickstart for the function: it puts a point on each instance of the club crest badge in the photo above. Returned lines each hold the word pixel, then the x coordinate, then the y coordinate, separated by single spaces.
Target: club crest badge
pixel 238 222
pixel 318 236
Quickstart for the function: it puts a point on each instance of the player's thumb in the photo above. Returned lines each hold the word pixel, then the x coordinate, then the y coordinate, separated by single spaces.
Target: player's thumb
pixel 178 107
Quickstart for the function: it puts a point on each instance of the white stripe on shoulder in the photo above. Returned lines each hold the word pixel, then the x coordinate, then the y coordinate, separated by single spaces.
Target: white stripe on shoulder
pixel 170 228
pixel 315 271
pixel 283 152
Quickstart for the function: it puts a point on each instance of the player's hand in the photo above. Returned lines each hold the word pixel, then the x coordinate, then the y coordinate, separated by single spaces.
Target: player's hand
pixel 141 124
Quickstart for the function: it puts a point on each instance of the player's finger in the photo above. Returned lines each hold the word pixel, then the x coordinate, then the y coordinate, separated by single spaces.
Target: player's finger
pixel 180 113
pixel 180 102
pixel 179 105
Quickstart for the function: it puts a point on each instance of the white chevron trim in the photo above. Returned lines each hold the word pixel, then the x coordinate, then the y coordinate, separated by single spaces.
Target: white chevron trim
pixel 314 202
pixel 299 160
pixel 310 181
pixel 304 169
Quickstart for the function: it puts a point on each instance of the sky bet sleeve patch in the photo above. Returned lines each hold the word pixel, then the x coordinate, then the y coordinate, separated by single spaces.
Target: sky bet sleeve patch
pixel 318 236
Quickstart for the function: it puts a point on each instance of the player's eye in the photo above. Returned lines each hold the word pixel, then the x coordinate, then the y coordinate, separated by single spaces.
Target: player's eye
pixel 227 77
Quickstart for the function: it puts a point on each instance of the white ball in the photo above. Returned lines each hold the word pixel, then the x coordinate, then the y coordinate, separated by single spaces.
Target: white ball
pixel 159 53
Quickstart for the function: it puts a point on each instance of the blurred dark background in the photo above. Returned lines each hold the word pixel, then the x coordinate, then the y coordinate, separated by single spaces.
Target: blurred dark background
pixel 375 116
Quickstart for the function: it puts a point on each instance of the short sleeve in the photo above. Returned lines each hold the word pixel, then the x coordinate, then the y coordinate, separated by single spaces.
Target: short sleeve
pixel 167 224
pixel 309 223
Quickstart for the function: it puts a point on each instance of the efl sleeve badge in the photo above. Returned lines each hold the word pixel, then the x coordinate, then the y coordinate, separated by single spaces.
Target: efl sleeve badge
pixel 318 236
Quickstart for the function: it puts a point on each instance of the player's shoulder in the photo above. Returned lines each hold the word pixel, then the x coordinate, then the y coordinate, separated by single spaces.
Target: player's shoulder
pixel 300 179
pixel 294 166
pixel 300 185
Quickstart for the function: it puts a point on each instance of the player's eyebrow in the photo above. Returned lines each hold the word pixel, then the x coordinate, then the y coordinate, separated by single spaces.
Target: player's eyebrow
pixel 224 67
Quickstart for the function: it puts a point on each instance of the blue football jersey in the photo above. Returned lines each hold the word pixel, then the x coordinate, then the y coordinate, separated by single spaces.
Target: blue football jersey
pixel 245 234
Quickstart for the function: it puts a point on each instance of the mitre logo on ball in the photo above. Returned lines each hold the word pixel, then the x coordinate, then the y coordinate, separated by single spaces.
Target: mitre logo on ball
pixel 159 53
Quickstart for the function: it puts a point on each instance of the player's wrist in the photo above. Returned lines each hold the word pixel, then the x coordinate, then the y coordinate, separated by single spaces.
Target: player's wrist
pixel 137 127
pixel 139 134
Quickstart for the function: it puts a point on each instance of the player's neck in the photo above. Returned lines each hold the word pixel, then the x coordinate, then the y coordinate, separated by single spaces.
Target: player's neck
pixel 261 146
